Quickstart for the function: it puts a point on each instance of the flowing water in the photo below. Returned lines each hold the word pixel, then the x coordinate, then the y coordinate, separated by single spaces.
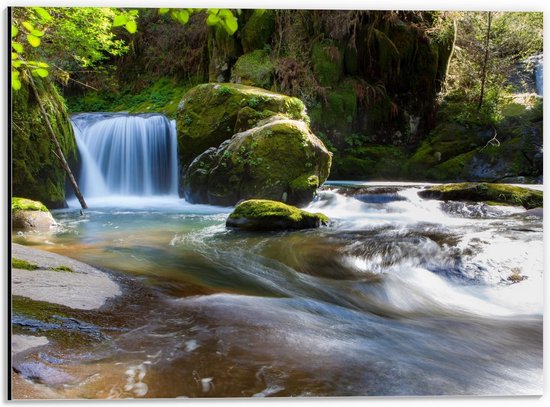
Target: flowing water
pixel 398 296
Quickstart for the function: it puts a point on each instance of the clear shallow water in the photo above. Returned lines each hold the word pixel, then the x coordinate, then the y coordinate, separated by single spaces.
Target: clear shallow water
pixel 399 296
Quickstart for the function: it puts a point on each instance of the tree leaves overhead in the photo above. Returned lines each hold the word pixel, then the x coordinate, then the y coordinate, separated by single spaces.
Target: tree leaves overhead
pixel 216 17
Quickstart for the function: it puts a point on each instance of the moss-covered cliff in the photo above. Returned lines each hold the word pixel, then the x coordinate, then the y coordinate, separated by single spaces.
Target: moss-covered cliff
pixel 37 173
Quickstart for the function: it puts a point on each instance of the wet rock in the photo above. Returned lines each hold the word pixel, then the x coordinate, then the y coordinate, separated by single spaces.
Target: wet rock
pixel 260 214
pixel 280 159
pixel 485 192
pixel 27 214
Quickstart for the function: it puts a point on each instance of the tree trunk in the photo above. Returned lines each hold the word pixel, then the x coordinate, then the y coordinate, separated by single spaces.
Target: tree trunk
pixel 58 150
pixel 484 68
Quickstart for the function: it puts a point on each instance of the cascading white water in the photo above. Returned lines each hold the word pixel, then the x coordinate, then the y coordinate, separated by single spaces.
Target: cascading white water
pixel 126 155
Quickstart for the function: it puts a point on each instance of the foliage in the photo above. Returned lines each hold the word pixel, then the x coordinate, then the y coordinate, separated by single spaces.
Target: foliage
pixel 22 264
pixel 513 36
pixel 23 204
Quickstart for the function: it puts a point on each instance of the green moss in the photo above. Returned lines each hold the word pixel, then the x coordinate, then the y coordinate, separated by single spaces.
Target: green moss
pixel 501 193
pixel 447 140
pixel 61 324
pixel 23 204
pixel 37 173
pixel 328 60
pixel 305 182
pixel 22 264
pixel 257 31
pixel 254 68
pixel 208 116
pixel 272 212
pixel 338 113
pixel 161 96
pixel 371 162
pixel 62 268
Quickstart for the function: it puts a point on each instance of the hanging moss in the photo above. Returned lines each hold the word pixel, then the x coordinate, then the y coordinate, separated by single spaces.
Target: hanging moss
pixel 336 116
pixel 328 62
pixel 257 31
pixel 254 69
pixel 37 173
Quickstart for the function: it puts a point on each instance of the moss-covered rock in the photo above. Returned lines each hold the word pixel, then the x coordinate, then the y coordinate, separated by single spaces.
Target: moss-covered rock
pixel 254 68
pixel 208 113
pixel 328 62
pixel 447 141
pixel 261 214
pixel 335 116
pixel 27 214
pixel 36 171
pixel 24 204
pixel 485 192
pixel 281 159
pixel 372 162
pixel 257 31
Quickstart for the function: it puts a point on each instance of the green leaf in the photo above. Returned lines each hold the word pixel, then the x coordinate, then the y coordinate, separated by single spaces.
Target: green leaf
pixel 131 26
pixel 17 47
pixel 14 55
pixel 15 82
pixel 134 12
pixel 213 11
pixel 120 20
pixel 42 64
pixel 40 72
pixel 183 16
pixel 14 31
pixel 212 19
pixel 37 33
pixel 232 25
pixel 42 13
pixel 17 64
pixel 163 10
pixel 34 41
pixel 259 11
pixel 225 13
pixel 28 26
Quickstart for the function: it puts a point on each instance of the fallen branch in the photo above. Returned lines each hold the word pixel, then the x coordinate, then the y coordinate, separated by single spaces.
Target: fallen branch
pixel 59 152
pixel 493 142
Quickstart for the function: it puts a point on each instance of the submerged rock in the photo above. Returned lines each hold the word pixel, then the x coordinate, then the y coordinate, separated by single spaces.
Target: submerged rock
pixel 485 192
pixel 208 114
pixel 262 214
pixel 280 159
pixel 27 214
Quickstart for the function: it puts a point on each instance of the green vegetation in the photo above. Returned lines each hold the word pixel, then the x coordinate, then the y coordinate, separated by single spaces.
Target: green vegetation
pixel 261 214
pixel 37 173
pixel 22 264
pixel 501 193
pixel 23 204
pixel 162 96
pixel 62 268
pixel 212 113
pixel 254 68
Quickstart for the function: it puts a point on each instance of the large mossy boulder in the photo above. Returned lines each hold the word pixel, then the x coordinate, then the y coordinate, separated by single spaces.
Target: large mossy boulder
pixel 36 171
pixel 280 159
pixel 27 214
pixel 485 192
pixel 263 214
pixel 211 113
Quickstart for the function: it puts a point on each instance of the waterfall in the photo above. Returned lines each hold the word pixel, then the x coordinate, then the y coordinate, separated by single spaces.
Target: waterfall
pixel 126 155
pixel 537 61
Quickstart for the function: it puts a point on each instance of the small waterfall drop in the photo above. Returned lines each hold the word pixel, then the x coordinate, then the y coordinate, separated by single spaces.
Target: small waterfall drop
pixel 126 155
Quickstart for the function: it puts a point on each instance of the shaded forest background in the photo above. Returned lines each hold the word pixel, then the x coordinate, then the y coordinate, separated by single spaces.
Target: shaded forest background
pixel 410 95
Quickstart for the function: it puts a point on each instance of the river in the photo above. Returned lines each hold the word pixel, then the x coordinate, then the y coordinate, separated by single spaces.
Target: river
pixel 398 296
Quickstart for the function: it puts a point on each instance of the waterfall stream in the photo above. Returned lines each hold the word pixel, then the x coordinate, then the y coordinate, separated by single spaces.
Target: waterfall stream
pixel 126 155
